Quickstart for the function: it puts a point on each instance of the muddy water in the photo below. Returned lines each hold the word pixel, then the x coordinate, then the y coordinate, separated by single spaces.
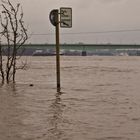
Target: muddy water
pixel 100 100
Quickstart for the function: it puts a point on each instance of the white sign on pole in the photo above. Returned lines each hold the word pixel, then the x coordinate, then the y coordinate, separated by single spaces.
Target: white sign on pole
pixel 65 17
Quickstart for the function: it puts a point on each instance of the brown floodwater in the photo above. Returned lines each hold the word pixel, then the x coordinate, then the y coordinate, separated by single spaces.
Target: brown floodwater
pixel 100 100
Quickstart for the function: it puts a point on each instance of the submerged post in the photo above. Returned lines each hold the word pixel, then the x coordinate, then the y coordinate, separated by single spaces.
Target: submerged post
pixel 54 18
pixel 57 53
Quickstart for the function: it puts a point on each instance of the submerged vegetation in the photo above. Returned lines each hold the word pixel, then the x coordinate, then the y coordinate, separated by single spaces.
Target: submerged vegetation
pixel 13 34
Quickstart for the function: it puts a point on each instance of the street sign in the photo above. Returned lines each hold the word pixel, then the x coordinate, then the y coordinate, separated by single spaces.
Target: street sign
pixel 65 22
pixel 65 17
pixel 52 17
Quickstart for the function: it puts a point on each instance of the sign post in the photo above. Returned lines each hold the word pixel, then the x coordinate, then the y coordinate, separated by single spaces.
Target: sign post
pixel 57 54
pixel 65 22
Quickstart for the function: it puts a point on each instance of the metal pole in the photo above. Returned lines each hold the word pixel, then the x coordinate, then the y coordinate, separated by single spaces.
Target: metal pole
pixel 57 53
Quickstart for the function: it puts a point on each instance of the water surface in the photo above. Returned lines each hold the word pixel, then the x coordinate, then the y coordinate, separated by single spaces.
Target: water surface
pixel 100 100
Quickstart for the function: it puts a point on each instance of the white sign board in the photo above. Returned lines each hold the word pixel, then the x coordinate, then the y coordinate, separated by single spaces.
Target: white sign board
pixel 65 17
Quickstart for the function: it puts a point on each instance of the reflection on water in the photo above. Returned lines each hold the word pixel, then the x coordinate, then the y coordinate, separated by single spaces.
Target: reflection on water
pixel 100 100
pixel 57 118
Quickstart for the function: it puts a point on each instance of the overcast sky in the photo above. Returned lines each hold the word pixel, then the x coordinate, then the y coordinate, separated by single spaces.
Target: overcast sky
pixel 89 18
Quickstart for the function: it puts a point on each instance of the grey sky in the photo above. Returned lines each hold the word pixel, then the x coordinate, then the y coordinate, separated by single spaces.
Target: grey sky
pixel 88 16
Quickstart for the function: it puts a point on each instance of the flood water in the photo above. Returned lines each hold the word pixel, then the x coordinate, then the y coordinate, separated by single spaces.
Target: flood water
pixel 100 100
